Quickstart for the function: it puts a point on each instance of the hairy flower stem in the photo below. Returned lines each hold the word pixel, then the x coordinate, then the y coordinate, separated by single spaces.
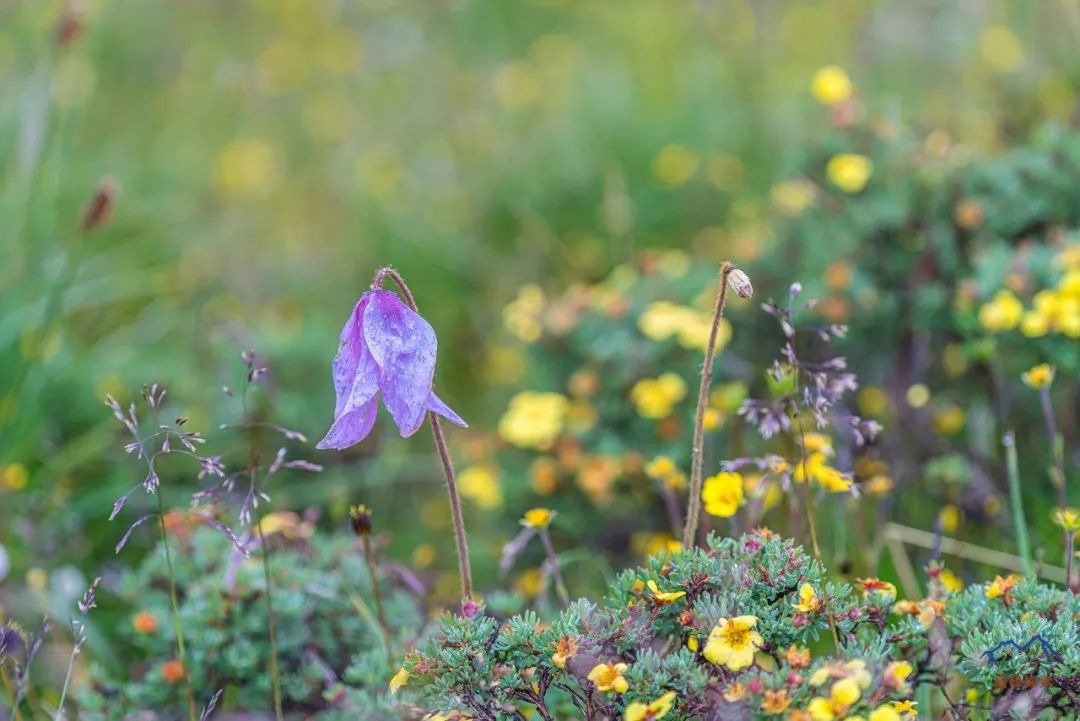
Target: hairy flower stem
pixel 369 558
pixel 464 569
pixel 693 510
pixel 1019 523
pixel 1057 446
pixel 560 584
pixel 193 714
pixel 271 625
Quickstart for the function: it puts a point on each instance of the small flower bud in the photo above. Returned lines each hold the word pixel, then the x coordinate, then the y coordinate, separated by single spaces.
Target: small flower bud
pixel 470 609
pixel 740 283
pixel 361 520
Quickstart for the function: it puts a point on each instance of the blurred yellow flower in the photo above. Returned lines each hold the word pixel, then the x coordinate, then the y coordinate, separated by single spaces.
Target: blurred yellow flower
pixel 1035 324
pixel 1001 587
pixel 775 702
pixel 544 476
pixel 907 708
pixel 656 397
pixel 521 317
pixel 423 555
pixel 481 485
pixel 1068 519
pixel 949 518
pixel 400 679
pixel 538 518
pixel 950 581
pixel 580 416
pixel 792 197
pixel 662 320
pixel 849 171
pixel 529 583
pixel 533 419
pixel 733 642
pixel 609 677
pixel 953 360
pixel 808 602
pixel 516 85
pixel 653 711
pixel 1002 313
pixel 14 477
pixel 712 419
pixel 722 494
pixel 650 544
pixel 873 401
pixel 917 395
pixel 596 477
pixel 831 85
pixel 884 712
pixel 878 485
pixel 1040 376
pixel 1000 49
pixel 948 420
pixel 675 164
pixel 843 694
pixel 817 443
pixel 247 167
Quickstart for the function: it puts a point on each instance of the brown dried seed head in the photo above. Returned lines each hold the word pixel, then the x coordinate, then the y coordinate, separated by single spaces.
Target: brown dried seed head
pixel 740 283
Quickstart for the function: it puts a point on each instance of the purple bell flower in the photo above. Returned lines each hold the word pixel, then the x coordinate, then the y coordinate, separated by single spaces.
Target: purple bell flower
pixel 386 348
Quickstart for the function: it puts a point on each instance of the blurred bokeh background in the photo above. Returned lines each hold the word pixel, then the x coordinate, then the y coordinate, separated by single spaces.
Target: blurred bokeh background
pixel 262 159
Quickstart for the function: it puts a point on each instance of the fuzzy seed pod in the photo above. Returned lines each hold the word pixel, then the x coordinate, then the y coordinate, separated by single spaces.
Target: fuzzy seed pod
pixel 740 283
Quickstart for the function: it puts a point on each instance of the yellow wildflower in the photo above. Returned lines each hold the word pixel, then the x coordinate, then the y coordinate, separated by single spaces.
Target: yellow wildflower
pixel 735 692
pixel 797 656
pixel 722 494
pixel 885 712
pixel 907 708
pixel 565 648
pixel 656 397
pixel 1040 376
pixel 1066 518
pixel 831 85
pixel 792 197
pixel 1002 313
pixel 664 597
pixel 842 695
pixel 896 675
pixel 876 586
pixel 849 171
pixel 949 420
pixel 481 484
pixel 950 581
pixel 609 677
pixel 675 164
pixel 538 518
pixel 533 419
pixel 732 642
pixel 400 679
pixel 658 709
pixel 521 317
pixel 775 702
pixel 1002 587
pixel 808 599
pixel 14 477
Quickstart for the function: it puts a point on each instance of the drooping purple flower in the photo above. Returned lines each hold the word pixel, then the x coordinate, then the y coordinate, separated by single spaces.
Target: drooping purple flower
pixel 386 349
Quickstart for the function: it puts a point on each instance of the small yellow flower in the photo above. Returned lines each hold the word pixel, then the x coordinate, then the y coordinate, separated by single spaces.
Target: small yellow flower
pixel 481 484
pixel 722 494
pixel 565 648
pixel 876 586
pixel 534 419
pixel 831 85
pixel 907 708
pixel 896 675
pixel 808 599
pixel 538 518
pixel 735 692
pixel 950 581
pixel 732 642
pixel 1002 313
pixel 1040 376
pixel 655 398
pixel 712 419
pixel 1068 519
pixel 885 712
pixel 842 695
pixel 849 171
pixel 1002 587
pixel 664 597
pixel 775 702
pixel 660 468
pixel 949 420
pixel 609 677
pixel 792 197
pixel 14 477
pixel 400 679
pixel 658 709
pixel 797 656
pixel 675 164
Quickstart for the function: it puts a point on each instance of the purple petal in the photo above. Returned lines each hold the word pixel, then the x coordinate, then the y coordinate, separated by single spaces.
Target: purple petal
pixel 352 427
pixel 356 376
pixel 403 345
pixel 436 405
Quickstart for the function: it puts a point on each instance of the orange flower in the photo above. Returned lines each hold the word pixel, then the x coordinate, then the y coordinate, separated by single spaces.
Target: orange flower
pixel 1002 587
pixel 144 622
pixel 173 671
pixel 775 702
pixel 875 585
pixel 564 649
pixel 797 657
